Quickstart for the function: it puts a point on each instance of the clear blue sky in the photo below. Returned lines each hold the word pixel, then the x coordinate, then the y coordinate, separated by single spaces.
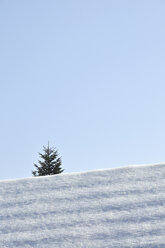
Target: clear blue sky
pixel 89 76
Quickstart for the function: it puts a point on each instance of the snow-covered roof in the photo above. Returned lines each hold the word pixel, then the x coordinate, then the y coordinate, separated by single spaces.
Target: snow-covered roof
pixel 122 207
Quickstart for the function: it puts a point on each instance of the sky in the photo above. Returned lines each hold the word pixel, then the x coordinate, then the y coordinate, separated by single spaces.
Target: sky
pixel 87 76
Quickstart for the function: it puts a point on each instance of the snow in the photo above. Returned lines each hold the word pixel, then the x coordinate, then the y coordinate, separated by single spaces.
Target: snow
pixel 122 207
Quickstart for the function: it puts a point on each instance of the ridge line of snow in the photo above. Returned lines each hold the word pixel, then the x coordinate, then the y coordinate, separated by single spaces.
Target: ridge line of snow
pixel 84 172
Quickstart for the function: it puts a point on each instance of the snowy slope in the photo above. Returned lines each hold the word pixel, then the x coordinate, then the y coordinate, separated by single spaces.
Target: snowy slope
pixel 122 207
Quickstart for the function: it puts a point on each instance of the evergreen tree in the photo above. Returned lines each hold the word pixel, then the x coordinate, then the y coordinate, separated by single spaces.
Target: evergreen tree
pixel 51 163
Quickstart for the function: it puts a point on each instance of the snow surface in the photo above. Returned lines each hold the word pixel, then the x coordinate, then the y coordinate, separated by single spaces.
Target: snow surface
pixel 122 207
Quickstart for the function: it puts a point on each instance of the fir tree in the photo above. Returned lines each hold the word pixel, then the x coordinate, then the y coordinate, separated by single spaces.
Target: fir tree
pixel 51 163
